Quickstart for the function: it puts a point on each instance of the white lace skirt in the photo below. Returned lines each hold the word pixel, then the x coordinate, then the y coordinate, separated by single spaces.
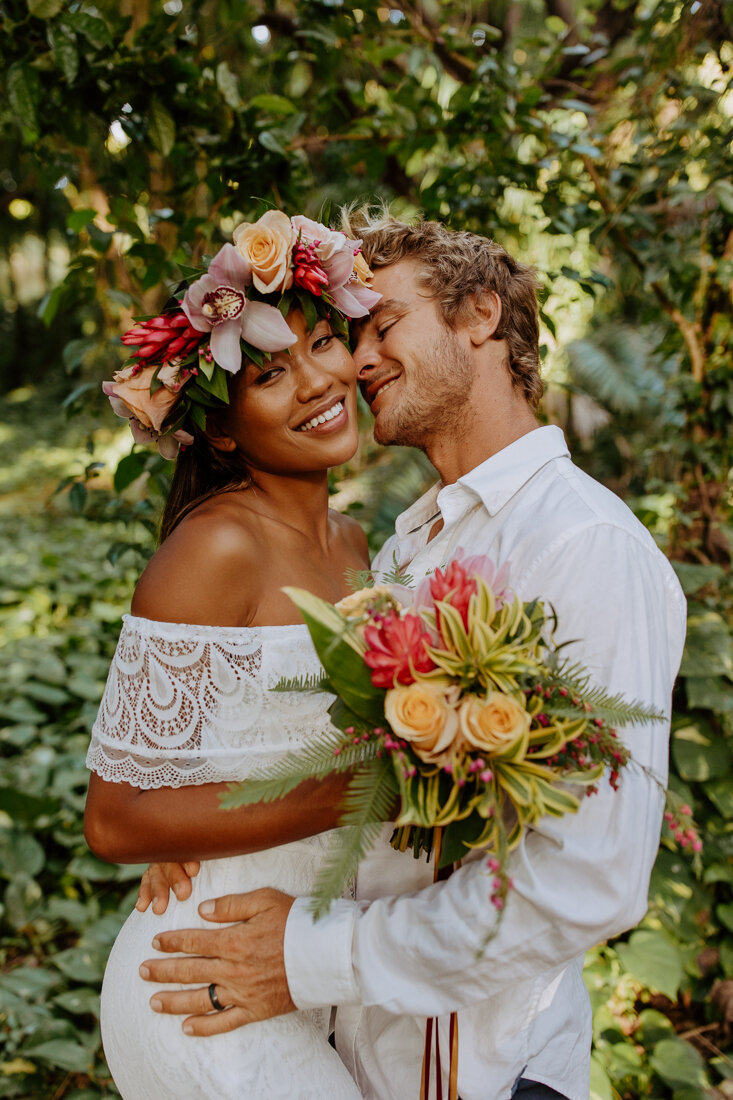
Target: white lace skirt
pixel 286 1058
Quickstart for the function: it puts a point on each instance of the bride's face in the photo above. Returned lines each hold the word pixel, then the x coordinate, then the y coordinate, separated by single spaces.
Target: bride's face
pixel 297 414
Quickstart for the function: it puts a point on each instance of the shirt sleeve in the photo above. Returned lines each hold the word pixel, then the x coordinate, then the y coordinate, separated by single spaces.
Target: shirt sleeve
pixel 578 879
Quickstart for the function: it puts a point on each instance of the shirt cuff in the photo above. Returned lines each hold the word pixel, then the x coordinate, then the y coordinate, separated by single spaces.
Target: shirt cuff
pixel 318 960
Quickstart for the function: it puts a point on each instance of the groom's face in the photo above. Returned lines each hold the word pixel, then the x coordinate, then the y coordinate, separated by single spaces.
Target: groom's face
pixel 414 371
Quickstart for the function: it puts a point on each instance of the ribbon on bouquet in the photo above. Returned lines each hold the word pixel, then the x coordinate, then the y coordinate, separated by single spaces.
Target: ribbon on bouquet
pixel 431 1025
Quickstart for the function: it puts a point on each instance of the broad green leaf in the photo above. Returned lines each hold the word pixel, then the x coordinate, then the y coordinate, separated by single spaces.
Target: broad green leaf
pixel 78 220
pixel 79 1001
pixel 267 139
pixel 129 469
pixel 95 30
pixel 23 93
pixel 653 1026
pixel 678 1063
pixel 80 963
pixel 725 914
pixel 709 649
pixel 699 753
pixel 600 1086
pixel 65 1053
pixel 710 693
pixel 653 958
pixel 161 127
pixel 228 85
pixel 23 899
pixel 693 577
pixel 45 9
pixel 720 794
pixel 20 852
pixel 63 43
pixel 277 104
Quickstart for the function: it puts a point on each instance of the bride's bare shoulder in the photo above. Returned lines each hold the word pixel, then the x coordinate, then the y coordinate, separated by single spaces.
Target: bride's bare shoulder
pixel 206 571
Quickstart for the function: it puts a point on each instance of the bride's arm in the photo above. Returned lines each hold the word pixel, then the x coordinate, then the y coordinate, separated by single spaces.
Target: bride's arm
pixel 124 824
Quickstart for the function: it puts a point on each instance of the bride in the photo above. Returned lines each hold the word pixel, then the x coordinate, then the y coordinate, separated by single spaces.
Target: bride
pixel 188 708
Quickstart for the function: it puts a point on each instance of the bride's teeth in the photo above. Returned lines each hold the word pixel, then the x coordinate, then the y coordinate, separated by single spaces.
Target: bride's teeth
pixel 323 418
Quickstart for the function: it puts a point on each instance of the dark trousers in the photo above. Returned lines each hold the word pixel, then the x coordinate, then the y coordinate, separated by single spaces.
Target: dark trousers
pixel 531 1090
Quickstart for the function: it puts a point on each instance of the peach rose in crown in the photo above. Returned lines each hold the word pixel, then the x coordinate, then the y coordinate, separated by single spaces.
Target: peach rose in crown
pixel 130 396
pixel 267 246
pixel 421 714
pixel 493 725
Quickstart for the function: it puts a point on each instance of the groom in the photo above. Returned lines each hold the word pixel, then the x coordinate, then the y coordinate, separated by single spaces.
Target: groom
pixel 448 362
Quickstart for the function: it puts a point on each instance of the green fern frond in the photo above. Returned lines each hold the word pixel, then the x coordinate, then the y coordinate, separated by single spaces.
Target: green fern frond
pixel 359 578
pixel 397 575
pixel 367 805
pixel 313 762
pixel 613 709
pixel 314 681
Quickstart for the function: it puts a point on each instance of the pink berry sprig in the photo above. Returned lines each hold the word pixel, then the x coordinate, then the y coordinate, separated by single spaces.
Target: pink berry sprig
pixel 501 884
pixel 682 828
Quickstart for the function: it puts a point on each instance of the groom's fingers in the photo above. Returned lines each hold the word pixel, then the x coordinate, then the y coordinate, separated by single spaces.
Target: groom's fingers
pixel 216 1023
pixel 239 907
pixel 182 970
pixel 187 1002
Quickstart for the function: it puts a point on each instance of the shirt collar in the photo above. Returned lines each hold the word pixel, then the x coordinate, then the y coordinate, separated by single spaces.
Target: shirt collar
pixel 494 482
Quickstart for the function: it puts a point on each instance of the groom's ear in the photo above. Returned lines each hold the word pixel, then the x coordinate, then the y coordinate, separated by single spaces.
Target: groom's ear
pixel 485 317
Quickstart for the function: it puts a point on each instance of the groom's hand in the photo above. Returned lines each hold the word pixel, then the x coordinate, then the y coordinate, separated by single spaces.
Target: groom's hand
pixel 244 961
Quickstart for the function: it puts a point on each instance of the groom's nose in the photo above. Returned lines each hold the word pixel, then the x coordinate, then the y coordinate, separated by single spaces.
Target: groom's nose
pixel 366 357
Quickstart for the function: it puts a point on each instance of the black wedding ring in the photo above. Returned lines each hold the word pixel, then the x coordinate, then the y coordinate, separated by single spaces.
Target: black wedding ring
pixel 214 999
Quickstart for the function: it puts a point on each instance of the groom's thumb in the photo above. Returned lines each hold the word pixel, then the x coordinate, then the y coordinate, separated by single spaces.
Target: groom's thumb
pixel 240 907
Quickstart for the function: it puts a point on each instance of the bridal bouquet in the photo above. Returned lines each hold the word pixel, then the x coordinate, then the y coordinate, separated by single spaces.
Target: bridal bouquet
pixel 454 705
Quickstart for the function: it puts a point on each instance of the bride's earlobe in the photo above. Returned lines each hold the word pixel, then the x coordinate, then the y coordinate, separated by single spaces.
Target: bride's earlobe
pixel 221 442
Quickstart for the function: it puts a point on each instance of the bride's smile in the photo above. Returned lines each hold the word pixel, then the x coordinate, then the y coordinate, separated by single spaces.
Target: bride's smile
pixel 297 413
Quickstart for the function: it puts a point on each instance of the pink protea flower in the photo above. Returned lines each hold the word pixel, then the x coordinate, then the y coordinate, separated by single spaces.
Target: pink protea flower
pixel 457 583
pixel 168 336
pixel 217 303
pixel 397 649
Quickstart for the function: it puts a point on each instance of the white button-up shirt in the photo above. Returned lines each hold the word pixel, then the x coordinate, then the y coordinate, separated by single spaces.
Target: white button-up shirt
pixel 390 961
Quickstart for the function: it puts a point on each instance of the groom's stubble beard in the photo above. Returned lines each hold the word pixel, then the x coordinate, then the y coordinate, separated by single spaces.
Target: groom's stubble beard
pixel 435 398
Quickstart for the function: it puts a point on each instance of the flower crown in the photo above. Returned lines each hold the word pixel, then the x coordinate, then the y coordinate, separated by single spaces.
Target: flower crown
pixel 184 355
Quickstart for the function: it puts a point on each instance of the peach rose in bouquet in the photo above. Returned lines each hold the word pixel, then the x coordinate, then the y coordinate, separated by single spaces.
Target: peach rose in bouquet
pixel 422 714
pixel 494 725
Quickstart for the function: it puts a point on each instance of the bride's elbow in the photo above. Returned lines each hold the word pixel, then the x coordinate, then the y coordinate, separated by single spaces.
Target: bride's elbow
pixel 106 828
pixel 100 837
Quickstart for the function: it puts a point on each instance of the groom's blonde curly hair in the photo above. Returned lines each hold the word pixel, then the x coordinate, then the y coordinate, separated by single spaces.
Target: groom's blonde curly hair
pixel 455 267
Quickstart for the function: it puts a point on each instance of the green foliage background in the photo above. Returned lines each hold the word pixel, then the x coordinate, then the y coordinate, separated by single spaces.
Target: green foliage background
pixel 592 138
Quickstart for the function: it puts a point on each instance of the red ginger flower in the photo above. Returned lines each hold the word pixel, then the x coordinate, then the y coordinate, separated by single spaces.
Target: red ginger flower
pixel 455 586
pixel 307 270
pixel 168 336
pixel 397 649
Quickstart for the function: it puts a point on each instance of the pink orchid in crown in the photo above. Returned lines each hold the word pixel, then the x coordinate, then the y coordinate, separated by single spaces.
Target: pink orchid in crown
pixel 217 303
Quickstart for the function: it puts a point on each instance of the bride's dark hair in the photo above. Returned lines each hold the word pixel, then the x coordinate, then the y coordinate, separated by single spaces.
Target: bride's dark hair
pixel 202 471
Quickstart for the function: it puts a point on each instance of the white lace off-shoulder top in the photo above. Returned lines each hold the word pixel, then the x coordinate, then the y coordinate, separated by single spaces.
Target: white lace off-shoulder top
pixel 192 704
